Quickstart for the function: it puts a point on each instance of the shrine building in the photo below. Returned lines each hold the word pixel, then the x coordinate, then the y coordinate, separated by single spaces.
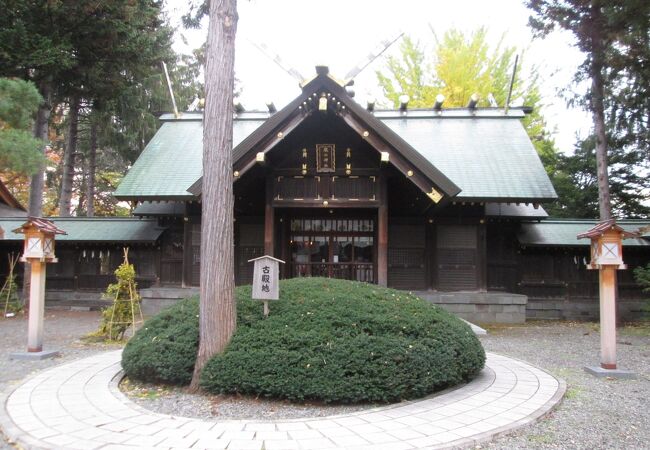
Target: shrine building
pixel 447 202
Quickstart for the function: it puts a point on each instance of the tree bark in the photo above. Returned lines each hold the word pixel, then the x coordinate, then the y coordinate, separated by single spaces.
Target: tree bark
pixel 65 200
pixel 598 110
pixel 37 182
pixel 91 167
pixel 41 128
pixel 217 316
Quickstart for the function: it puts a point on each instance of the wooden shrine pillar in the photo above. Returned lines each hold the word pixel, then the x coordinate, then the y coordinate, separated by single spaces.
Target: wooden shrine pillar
pixel 382 235
pixel 269 218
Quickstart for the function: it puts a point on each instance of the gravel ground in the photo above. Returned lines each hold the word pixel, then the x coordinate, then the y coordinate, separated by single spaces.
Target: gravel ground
pixel 595 414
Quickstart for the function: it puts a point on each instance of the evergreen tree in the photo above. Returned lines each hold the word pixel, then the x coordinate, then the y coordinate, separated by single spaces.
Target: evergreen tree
pixel 83 53
pixel 576 183
pixel 614 37
pixel 19 150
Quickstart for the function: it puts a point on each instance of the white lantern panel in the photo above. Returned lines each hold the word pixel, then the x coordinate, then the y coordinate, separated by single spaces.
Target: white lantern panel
pixel 48 248
pixel 34 248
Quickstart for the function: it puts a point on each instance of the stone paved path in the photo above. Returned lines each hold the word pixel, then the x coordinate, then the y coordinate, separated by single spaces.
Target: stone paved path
pixel 78 406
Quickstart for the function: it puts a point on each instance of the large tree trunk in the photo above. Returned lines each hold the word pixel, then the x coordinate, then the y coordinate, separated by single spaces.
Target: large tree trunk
pixel 41 128
pixel 37 183
pixel 598 110
pixel 217 317
pixel 67 177
pixel 91 167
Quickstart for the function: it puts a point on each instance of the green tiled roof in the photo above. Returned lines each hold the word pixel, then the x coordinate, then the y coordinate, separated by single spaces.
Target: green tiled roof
pixel 96 229
pixel 488 156
pixel 550 233
pixel 172 161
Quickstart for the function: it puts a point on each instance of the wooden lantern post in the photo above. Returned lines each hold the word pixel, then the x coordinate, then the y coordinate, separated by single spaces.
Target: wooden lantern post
pixel 607 256
pixel 266 280
pixel 38 251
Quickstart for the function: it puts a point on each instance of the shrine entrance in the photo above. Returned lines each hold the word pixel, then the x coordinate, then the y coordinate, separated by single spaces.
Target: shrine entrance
pixel 333 247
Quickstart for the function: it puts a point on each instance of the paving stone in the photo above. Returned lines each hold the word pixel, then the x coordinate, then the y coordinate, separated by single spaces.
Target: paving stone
pixel 238 435
pixel 349 441
pixel 315 444
pixel 379 438
pixel 305 434
pixel 240 444
pixel 281 445
pixel 177 442
pixel 259 427
pixel 211 444
pixel 289 426
pixel 78 406
pixel 271 435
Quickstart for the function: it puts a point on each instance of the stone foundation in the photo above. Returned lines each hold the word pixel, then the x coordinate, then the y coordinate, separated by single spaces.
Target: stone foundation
pixel 550 309
pixel 75 300
pixel 481 307
pixel 155 300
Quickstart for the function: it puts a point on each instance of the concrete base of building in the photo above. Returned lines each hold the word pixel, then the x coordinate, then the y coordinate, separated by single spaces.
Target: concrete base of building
pixel 561 309
pixel 599 372
pixel 34 356
pixel 481 307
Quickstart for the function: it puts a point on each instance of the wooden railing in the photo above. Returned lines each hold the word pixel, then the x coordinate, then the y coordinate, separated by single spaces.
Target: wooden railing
pixel 343 271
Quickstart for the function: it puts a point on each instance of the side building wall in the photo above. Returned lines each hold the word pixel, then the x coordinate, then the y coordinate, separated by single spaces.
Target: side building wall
pixel 555 279
pixel 84 271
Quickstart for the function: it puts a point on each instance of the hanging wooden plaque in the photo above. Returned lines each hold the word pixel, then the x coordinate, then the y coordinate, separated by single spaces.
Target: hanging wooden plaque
pixel 325 157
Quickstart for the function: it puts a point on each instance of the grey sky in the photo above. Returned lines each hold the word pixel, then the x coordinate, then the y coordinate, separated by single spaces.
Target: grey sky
pixel 340 33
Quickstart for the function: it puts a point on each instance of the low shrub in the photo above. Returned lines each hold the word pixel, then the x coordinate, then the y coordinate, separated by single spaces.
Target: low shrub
pixel 327 340
pixel 164 349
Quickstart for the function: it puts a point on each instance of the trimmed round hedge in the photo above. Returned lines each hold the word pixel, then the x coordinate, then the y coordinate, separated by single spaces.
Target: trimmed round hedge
pixel 328 340
pixel 164 349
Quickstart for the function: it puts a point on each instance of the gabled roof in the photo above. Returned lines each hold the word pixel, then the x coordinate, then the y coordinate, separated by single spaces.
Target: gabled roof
pixel 552 233
pixel 9 205
pixel 602 227
pixel 480 155
pixel 41 224
pixel 94 230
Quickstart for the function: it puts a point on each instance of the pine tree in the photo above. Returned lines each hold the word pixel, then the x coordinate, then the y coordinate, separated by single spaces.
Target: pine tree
pixel 19 150
pixel 576 183
pixel 613 36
